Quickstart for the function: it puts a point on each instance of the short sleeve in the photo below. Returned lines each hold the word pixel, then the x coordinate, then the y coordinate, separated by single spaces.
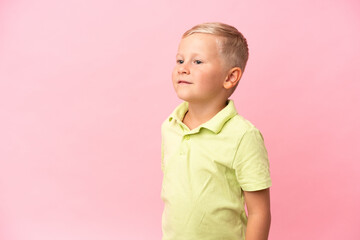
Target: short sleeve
pixel 251 162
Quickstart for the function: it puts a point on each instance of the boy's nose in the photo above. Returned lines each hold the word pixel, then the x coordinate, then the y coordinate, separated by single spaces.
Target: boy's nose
pixel 183 69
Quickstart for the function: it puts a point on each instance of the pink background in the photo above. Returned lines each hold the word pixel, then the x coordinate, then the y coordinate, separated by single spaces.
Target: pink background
pixel 85 85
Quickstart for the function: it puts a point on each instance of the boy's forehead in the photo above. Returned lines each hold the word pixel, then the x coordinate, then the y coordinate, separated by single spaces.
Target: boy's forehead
pixel 199 43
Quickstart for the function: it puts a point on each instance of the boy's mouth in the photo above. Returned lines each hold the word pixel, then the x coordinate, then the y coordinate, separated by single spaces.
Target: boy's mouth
pixel 183 82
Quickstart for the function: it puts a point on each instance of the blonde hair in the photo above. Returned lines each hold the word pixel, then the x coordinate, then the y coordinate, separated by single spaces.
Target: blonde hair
pixel 233 46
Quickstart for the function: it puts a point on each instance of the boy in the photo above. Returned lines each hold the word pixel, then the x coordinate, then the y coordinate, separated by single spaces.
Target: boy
pixel 214 161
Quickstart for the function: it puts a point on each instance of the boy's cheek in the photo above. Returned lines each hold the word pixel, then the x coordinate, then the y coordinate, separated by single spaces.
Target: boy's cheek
pixel 174 76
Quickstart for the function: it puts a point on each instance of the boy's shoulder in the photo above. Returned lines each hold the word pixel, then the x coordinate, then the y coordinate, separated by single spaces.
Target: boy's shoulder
pixel 237 127
pixel 240 123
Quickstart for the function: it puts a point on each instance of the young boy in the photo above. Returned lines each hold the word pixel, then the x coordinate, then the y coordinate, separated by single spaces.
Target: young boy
pixel 214 160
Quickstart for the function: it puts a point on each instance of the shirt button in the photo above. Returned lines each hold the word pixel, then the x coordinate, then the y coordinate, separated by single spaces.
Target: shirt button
pixel 187 137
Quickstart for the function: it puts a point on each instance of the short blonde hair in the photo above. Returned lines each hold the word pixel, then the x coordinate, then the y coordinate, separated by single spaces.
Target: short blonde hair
pixel 233 47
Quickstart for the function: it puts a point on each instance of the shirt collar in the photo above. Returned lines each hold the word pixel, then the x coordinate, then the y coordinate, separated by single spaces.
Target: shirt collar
pixel 215 124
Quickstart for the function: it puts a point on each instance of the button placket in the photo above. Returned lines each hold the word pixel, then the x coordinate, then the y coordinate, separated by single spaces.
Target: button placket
pixel 185 146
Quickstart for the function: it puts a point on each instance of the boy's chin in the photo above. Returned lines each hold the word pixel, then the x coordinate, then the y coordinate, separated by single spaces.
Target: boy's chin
pixel 182 96
pixel 185 98
pixel 189 100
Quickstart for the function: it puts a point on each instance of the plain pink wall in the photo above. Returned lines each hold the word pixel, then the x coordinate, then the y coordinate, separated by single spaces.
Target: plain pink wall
pixel 85 85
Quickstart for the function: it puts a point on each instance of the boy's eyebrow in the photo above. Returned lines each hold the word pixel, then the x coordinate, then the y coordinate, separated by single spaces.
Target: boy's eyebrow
pixel 192 55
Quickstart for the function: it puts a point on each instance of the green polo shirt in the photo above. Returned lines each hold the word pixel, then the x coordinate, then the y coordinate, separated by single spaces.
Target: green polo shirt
pixel 206 170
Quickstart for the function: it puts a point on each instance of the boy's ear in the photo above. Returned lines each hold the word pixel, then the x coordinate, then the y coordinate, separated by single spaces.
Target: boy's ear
pixel 232 78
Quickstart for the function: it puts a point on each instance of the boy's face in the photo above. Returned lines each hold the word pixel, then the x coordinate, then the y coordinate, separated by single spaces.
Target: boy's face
pixel 199 73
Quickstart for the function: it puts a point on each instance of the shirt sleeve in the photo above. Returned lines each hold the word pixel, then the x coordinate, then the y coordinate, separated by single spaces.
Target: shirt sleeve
pixel 251 162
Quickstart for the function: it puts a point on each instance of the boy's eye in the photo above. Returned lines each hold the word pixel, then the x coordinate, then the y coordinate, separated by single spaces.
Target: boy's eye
pixel 180 61
pixel 197 62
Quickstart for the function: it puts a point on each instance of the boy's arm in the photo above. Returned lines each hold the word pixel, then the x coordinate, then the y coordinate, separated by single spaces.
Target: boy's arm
pixel 259 217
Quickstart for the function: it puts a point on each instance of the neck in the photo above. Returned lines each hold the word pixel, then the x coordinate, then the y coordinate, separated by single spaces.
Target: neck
pixel 199 113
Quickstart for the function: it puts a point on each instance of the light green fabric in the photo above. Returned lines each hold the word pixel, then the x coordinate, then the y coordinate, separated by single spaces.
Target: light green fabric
pixel 206 170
